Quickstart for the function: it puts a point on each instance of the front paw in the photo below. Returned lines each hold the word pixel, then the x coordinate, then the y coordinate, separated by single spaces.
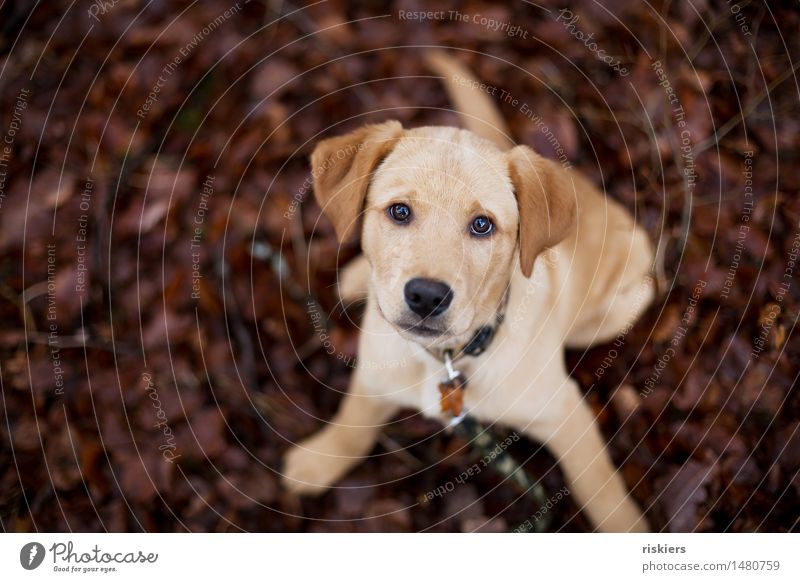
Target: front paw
pixel 313 466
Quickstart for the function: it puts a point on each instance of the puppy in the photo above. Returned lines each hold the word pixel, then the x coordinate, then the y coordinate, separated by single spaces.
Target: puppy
pixel 469 242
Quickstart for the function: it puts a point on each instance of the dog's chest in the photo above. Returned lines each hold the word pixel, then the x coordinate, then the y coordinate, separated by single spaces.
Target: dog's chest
pixel 420 389
pixel 509 382
pixel 492 393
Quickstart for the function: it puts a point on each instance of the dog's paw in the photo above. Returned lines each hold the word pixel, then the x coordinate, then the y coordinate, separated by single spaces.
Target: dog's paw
pixel 310 468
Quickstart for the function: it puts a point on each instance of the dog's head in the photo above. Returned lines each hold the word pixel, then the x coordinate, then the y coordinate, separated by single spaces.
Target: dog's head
pixel 445 218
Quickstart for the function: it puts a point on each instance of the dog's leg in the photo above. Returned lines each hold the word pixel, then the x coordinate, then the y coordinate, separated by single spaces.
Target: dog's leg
pixel 575 440
pixel 617 285
pixel 613 316
pixel 316 463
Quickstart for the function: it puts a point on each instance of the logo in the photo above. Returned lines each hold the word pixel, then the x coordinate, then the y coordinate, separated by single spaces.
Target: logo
pixel 31 555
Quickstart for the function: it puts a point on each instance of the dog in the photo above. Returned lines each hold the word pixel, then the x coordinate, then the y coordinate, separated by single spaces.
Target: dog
pixel 471 242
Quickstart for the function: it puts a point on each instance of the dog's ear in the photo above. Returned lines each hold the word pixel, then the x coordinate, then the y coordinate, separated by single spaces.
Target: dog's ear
pixel 342 168
pixel 546 198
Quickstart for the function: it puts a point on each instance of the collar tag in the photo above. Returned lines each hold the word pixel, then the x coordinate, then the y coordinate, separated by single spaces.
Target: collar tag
pixel 451 392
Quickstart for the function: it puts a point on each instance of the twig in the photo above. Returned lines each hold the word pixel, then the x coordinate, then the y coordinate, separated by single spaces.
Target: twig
pixel 24 308
pixel 709 31
pixel 745 113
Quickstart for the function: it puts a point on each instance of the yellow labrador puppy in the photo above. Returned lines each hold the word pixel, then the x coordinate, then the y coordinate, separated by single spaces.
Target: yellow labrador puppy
pixel 481 261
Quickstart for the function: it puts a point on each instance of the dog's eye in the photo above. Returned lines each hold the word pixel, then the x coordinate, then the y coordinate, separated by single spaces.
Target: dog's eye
pixel 400 212
pixel 481 226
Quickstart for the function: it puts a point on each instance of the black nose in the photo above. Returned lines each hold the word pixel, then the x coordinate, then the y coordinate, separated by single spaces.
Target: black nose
pixel 427 297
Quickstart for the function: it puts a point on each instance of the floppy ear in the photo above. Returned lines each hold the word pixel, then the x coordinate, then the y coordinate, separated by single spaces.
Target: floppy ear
pixel 342 168
pixel 546 197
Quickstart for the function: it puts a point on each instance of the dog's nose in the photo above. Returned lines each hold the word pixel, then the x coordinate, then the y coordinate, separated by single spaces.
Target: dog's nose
pixel 427 297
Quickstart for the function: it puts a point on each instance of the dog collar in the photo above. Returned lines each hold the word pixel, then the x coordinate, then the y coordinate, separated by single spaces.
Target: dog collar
pixel 480 340
pixel 451 389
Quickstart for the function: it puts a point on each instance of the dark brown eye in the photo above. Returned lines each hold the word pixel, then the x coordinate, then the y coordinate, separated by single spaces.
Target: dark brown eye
pixel 400 212
pixel 481 226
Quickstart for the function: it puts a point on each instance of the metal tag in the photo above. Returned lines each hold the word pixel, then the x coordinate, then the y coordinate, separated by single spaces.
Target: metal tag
pixel 451 395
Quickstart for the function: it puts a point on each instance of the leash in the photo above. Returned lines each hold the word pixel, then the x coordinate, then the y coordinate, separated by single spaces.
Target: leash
pixel 487 445
pixel 451 403
pixel 483 441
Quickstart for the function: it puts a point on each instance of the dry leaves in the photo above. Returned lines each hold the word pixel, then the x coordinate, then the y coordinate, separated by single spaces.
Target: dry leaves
pixel 710 439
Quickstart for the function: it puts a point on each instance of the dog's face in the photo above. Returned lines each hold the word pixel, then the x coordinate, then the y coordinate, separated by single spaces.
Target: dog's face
pixel 440 231
pixel 445 219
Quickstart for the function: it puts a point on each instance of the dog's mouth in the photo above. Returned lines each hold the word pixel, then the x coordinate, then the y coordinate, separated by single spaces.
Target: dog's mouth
pixel 421 328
